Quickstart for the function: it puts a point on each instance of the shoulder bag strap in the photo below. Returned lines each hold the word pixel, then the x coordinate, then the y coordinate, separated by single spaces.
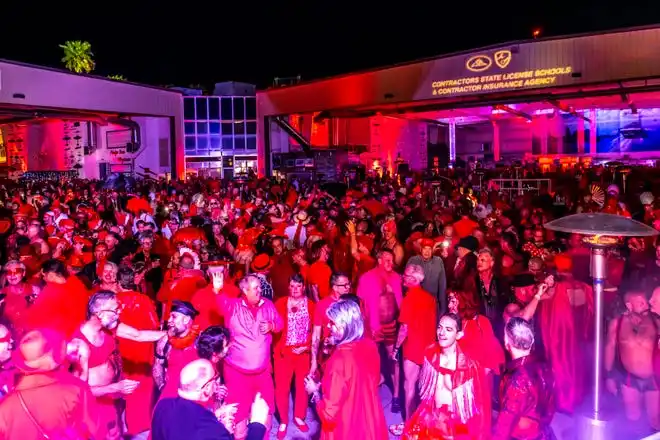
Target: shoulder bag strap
pixel 30 416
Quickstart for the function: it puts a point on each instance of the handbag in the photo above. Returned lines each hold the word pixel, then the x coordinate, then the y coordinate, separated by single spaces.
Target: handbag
pixel 68 433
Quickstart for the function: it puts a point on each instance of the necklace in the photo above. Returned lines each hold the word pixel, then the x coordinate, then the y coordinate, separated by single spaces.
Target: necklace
pixel 294 305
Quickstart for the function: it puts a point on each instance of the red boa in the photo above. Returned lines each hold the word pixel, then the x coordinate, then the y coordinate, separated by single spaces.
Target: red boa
pixel 186 341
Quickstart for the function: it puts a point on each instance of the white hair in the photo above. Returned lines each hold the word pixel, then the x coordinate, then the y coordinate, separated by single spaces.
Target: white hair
pixel 520 334
pixel 416 271
pixel 346 314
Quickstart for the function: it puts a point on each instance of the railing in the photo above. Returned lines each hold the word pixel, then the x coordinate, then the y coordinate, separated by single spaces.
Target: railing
pixel 519 186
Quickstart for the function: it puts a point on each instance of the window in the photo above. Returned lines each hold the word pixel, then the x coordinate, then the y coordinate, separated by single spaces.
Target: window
pixel 251 142
pixel 227 128
pixel 202 143
pixel 251 128
pixel 202 128
pixel 214 127
pixel 200 106
pixel 189 127
pixel 227 143
pixel 215 142
pixel 250 108
pixel 239 142
pixel 188 108
pixel 239 108
pixel 190 142
pixel 227 114
pixel 214 108
pixel 239 128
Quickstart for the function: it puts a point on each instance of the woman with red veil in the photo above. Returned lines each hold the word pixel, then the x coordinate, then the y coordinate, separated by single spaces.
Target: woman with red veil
pixel 479 341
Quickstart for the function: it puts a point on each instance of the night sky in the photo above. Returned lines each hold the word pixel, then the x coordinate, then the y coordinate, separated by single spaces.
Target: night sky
pixel 184 43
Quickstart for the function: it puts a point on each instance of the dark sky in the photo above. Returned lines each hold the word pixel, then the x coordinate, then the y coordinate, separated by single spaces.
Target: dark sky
pixel 193 42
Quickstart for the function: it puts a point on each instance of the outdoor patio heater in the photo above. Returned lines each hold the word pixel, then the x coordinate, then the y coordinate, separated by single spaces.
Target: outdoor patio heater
pixel 601 232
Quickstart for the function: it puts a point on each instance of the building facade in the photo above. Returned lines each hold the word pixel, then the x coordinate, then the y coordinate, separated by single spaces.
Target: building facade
pixel 221 131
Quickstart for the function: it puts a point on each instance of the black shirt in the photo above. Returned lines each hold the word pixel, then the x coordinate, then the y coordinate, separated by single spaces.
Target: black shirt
pixel 181 419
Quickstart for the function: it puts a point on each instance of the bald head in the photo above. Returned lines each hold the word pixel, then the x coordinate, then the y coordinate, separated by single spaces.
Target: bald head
pixel 636 302
pixel 194 380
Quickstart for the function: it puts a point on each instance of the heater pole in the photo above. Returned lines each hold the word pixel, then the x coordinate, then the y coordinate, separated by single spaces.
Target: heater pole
pixel 598 273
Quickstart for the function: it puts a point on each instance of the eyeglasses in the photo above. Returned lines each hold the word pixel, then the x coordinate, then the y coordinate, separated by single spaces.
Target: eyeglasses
pixel 113 311
pixel 347 285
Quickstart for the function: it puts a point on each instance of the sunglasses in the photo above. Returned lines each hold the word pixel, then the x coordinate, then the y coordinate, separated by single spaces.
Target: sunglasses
pixel 14 272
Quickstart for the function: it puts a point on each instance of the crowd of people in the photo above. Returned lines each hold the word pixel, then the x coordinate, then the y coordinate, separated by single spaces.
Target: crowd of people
pixel 210 310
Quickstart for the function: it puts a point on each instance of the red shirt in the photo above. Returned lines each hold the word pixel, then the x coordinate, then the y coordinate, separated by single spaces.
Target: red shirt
pixel 319 274
pixel 205 302
pixel 418 312
pixel 320 318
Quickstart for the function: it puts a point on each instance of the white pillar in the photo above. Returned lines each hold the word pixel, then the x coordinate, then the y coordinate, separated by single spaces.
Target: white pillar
pixel 593 132
pixel 452 141
pixel 496 141
pixel 580 136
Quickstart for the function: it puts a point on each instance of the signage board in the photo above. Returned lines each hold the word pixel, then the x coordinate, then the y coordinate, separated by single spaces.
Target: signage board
pixel 497 70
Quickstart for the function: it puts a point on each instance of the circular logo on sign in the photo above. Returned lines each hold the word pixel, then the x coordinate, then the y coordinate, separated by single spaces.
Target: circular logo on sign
pixel 479 63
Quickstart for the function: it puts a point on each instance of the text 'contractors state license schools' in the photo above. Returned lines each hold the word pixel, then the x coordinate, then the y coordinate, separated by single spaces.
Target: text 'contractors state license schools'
pixel 501 81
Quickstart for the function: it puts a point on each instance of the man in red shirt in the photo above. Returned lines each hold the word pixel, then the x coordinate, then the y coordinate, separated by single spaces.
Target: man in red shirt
pixel 339 285
pixel 417 331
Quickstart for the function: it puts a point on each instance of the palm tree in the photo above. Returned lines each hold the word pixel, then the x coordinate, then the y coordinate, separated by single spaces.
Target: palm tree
pixel 78 56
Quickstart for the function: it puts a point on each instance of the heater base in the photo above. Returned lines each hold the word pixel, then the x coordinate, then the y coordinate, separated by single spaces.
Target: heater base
pixel 594 428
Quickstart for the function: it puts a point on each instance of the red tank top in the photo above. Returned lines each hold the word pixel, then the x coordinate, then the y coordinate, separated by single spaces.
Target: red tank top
pixel 99 355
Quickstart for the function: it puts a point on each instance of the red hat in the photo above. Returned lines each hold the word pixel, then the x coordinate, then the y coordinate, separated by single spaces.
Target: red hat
pixel 261 263
pixel 40 351
pixel 563 263
pixel 67 223
pixel 427 242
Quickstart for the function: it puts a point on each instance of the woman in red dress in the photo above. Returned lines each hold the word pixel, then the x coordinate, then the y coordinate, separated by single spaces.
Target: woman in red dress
pixel 349 407
pixel 478 341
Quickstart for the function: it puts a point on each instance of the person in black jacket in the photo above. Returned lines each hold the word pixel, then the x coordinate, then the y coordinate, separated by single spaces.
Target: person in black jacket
pixel 190 417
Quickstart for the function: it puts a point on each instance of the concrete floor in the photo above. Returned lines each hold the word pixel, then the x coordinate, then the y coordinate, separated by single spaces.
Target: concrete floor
pixel 565 427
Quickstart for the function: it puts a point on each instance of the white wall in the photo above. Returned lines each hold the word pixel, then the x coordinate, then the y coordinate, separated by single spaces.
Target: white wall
pixel 515 138
pixel 153 130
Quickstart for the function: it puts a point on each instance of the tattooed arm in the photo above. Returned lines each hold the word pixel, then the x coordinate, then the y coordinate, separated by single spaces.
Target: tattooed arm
pixel 316 340
pixel 159 369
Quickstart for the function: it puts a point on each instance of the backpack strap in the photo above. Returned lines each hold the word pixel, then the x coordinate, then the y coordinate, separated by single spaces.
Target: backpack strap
pixel 30 416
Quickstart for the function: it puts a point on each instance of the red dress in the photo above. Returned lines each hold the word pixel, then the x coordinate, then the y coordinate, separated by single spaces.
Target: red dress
pixel 479 343
pixel 566 329
pixel 351 408
pixel 468 417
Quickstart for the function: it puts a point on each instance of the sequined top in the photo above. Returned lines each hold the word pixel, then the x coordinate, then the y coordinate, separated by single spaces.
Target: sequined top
pixel 527 401
pixel 297 325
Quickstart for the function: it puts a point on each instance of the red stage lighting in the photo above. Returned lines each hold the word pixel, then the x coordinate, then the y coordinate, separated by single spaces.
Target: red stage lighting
pixel 536 33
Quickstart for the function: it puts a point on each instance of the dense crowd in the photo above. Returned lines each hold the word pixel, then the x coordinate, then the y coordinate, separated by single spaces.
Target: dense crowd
pixel 198 309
